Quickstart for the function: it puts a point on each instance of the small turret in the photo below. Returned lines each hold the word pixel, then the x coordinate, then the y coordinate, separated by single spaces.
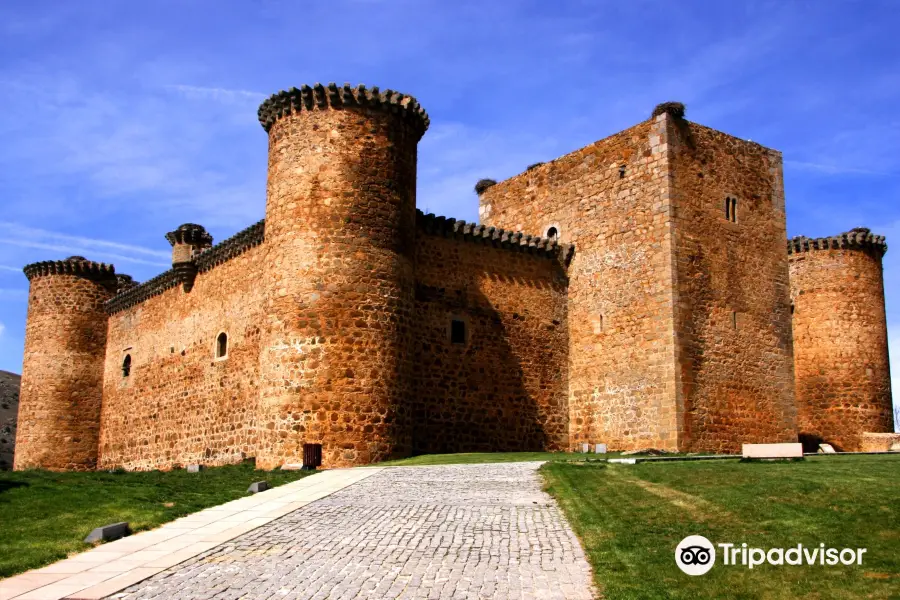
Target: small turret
pixel 62 378
pixel 188 241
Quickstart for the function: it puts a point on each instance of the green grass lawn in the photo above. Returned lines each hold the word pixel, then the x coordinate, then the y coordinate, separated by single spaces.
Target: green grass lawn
pixel 44 516
pixel 630 518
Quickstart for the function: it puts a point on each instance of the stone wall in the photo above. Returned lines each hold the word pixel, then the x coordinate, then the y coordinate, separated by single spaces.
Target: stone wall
pixel 840 339
pixel 9 409
pixel 181 404
pixel 610 200
pixel 62 375
pixel 504 388
pixel 733 322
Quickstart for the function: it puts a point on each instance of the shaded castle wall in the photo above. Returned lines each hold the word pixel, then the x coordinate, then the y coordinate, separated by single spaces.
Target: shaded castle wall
pixel 180 405
pixel 61 386
pixel 611 200
pixel 505 389
pixel 9 410
pixel 733 323
pixel 340 226
pixel 840 339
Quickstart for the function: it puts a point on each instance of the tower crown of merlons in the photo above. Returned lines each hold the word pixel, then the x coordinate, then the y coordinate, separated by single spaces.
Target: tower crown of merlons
pixel 74 265
pixel 323 97
pixel 858 238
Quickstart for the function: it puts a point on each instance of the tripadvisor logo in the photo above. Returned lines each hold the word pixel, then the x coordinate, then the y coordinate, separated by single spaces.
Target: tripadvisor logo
pixel 696 555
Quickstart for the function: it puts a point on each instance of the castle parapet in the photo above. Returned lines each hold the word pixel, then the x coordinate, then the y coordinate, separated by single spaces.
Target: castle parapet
pixel 501 238
pixel 320 97
pixel 74 265
pixel 860 238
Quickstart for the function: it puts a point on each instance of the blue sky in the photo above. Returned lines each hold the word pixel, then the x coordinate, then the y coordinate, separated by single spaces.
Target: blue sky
pixel 121 120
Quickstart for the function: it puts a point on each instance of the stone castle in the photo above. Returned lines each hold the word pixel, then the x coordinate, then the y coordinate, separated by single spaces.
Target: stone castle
pixel 654 302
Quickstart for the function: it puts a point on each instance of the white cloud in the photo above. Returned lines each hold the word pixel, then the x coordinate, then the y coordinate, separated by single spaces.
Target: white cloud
pixel 12 234
pixel 2 329
pixel 831 169
pixel 193 92
pixel 15 231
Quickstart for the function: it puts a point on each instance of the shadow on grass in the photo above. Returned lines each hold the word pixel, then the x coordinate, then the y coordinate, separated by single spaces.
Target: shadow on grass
pixel 9 485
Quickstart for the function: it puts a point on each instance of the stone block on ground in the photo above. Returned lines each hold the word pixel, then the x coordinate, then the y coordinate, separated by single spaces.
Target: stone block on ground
pixel 879 442
pixel 826 449
pixel 600 449
pixel 789 450
pixel 194 468
pixel 258 486
pixel 108 533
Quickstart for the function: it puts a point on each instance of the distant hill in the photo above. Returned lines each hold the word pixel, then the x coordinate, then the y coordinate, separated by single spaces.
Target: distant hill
pixel 9 408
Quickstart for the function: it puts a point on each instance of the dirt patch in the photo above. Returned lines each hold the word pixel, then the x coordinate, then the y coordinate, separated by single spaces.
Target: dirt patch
pixel 698 508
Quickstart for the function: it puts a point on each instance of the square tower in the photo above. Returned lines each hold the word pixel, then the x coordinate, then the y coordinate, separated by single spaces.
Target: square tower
pixel 679 304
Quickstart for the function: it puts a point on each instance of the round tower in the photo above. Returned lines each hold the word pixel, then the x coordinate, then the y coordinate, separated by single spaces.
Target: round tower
pixel 843 384
pixel 62 374
pixel 339 232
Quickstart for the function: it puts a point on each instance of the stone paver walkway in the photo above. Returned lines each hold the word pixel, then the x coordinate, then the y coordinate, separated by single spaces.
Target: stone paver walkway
pixel 114 566
pixel 456 531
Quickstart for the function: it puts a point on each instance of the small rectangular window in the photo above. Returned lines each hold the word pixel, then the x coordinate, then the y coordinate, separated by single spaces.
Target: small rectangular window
pixel 457 331
pixel 731 209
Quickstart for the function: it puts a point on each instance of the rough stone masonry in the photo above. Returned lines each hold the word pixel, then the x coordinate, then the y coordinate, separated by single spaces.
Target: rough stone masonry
pixel 636 292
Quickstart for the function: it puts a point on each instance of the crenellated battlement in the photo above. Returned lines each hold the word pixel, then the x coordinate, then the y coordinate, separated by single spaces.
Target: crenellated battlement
pixel 210 258
pixel 234 246
pixel 124 282
pixel 501 238
pixel 74 265
pixel 858 238
pixel 139 293
pixel 320 97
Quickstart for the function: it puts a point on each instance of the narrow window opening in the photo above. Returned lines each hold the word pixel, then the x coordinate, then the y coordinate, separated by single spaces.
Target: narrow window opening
pixel 792 308
pixel 553 233
pixel 126 366
pixel 457 331
pixel 222 345
pixel 731 209
pixel 734 319
pixel 622 172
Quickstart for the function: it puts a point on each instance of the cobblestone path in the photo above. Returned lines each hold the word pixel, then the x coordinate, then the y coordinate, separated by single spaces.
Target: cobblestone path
pixel 456 531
